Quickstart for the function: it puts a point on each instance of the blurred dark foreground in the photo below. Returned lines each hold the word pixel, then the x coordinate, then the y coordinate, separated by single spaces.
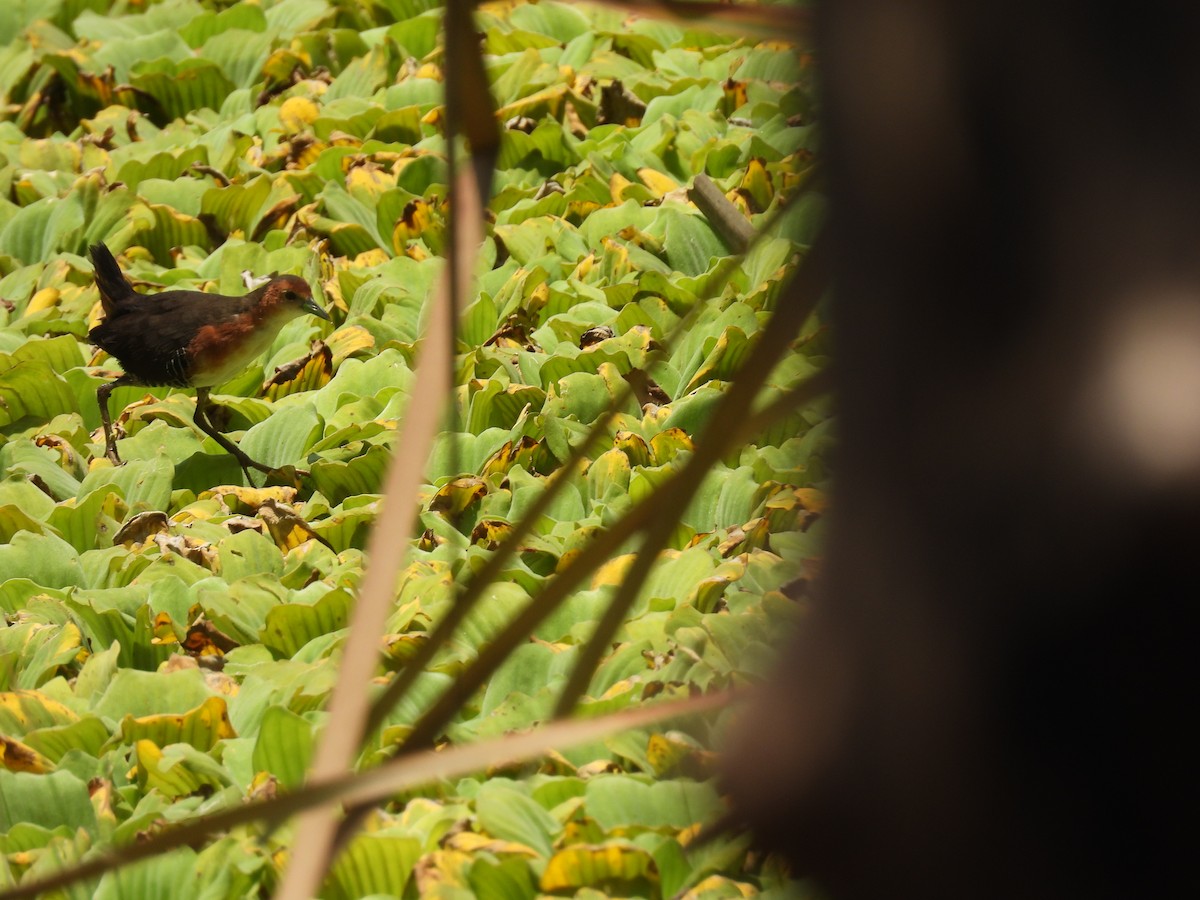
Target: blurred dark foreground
pixel 992 695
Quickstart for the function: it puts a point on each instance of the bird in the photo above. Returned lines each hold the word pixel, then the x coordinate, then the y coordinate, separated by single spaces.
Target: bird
pixel 189 339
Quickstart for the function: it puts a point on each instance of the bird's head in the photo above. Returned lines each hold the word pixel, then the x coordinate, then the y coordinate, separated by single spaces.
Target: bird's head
pixel 291 293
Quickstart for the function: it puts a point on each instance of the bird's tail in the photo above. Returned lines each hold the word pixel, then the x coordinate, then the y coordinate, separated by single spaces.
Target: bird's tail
pixel 115 289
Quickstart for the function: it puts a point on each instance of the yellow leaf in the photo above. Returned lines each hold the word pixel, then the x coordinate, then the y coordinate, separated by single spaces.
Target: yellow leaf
pixel 43 299
pixel 370 258
pixel 584 268
pixel 16 757
pixel 100 792
pixel 719 886
pixel 283 62
pixel 617 186
pixel 399 648
pixel 734 97
pixel 676 752
pixel 471 842
pixel 612 572
pixel 247 499
pixel 757 186
pixel 633 446
pixel 296 113
pixel 164 630
pixel 551 97
pixel 201 727
pixel 453 499
pixel 370 178
pixel 658 182
pixel 25 711
pixel 418 221
pixel 442 871
pixel 581 209
pixel 303 151
pixel 537 298
pixel 665 445
pixel 812 499
pixel 617 866
pixel 614 263
pixel 710 590
pixel 740 203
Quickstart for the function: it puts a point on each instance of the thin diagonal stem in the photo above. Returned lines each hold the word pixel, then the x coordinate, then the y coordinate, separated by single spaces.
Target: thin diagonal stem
pixel 492 567
pixel 805 290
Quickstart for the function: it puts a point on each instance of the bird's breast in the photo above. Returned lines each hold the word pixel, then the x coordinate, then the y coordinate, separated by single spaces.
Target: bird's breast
pixel 222 350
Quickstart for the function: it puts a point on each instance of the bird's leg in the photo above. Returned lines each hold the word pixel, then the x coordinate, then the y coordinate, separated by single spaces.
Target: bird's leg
pixel 102 392
pixel 201 419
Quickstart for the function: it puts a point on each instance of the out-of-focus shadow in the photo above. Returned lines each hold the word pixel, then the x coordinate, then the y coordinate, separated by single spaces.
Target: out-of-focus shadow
pixel 990 698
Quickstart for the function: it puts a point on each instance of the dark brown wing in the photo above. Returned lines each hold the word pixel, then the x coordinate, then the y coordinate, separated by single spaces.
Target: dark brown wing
pixel 149 335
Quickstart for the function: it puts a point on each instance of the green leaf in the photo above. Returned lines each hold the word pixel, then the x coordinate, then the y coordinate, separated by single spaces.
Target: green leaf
pixel 284 746
pixel 133 693
pixel 285 437
pixel 87 735
pixel 43 558
pixel 373 864
pixel 506 812
pixel 144 483
pixel 290 626
pixel 160 877
pixel 618 801
pixel 50 800
pixel 32 390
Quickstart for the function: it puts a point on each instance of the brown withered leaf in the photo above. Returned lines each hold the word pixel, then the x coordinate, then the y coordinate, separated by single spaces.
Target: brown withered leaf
pixel 647 389
pixel 550 186
pixel 69 457
pixel 733 96
pixel 619 106
pixel 595 336
pixel 515 333
pixel 141 528
pixel 40 483
pixel 264 787
pixel 277 216
pixel 308 373
pixel 573 122
pixel 521 123
pixel 206 639
pixel 502 460
pixel 245 523
pixel 430 540
pixel 288 529
pixel 490 532
pixel 201 553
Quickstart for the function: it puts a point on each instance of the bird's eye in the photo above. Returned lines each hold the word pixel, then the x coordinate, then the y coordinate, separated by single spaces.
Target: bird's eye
pixel 290 295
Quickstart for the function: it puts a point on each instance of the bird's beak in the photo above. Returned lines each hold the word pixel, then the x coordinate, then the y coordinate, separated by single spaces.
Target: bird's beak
pixel 310 306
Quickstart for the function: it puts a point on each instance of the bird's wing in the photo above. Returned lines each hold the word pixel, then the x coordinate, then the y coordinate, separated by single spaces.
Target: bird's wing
pixel 150 337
